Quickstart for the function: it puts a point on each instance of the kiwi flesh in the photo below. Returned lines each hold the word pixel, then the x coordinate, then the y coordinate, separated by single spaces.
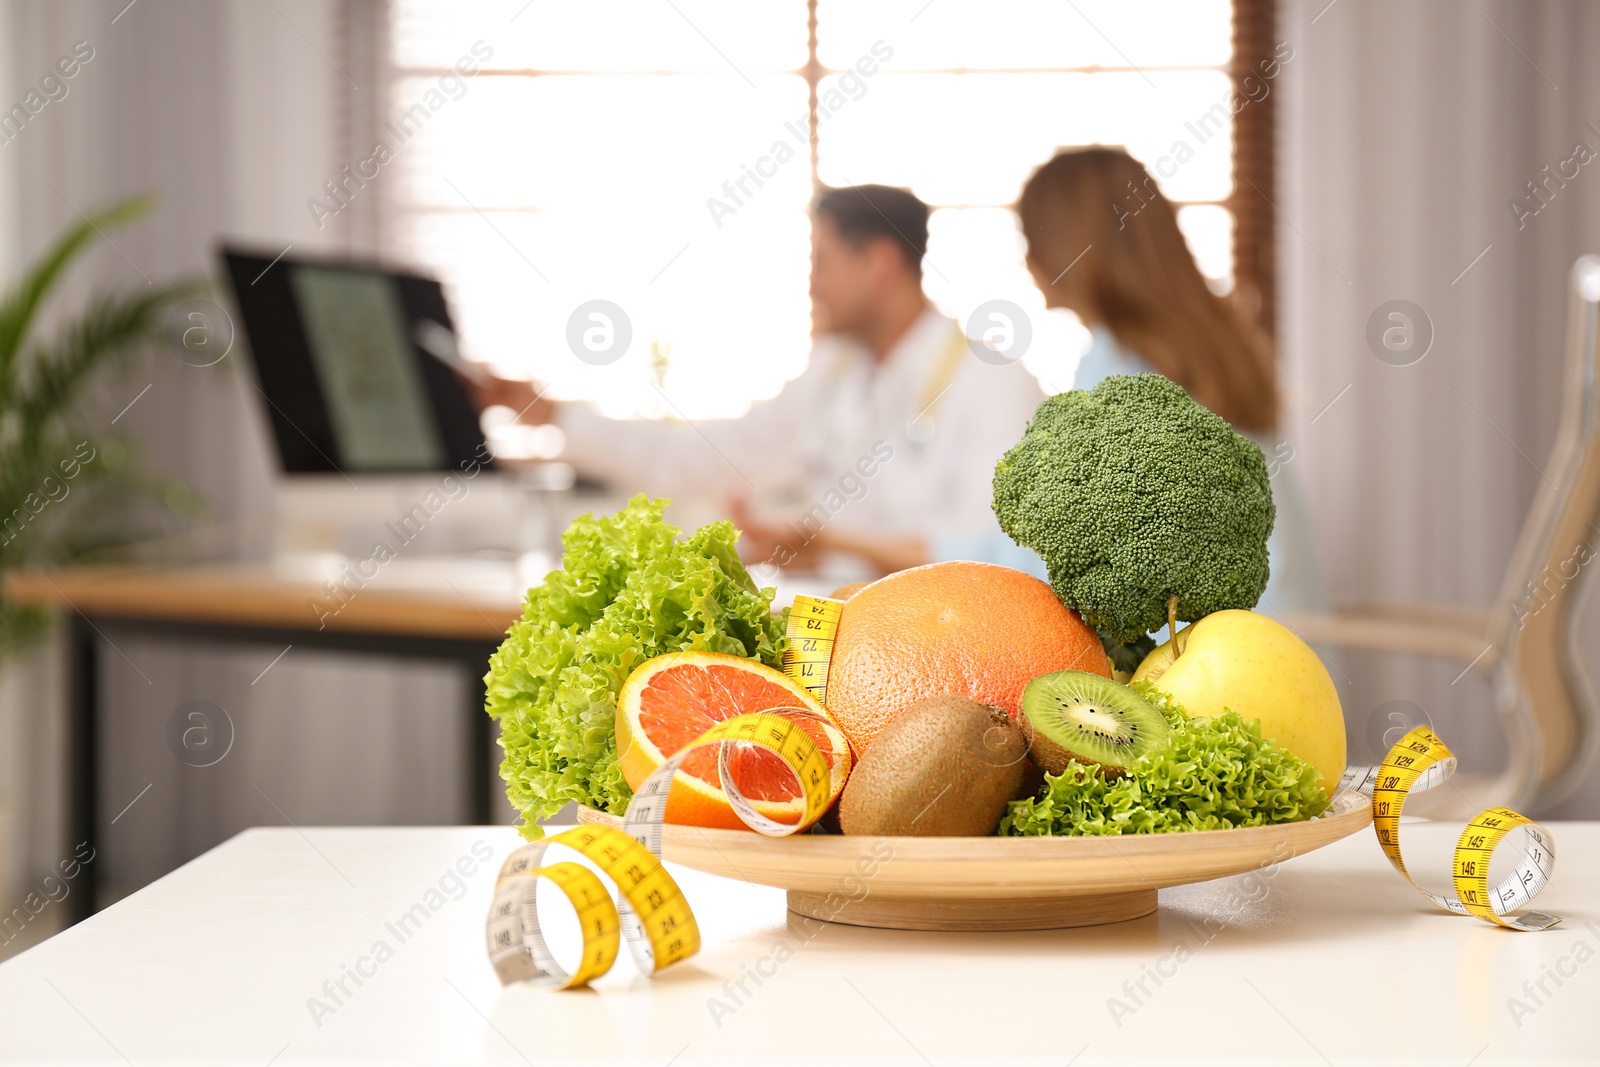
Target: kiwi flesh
pixel 1078 715
pixel 946 767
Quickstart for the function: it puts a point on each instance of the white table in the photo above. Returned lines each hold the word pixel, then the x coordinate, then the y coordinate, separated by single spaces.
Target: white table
pixel 217 963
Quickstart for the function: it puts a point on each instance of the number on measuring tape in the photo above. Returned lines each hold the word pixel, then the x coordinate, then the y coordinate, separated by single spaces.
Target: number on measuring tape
pixel 650 913
pixel 813 624
pixel 1420 761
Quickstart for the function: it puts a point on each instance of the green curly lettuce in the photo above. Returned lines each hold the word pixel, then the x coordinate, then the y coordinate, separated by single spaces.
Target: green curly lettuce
pixel 628 590
pixel 1211 774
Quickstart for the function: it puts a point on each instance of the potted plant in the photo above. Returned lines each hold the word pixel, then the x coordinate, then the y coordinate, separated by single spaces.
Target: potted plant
pixel 68 490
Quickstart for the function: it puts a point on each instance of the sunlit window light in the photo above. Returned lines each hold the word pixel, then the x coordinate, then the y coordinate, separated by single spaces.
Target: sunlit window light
pixel 580 163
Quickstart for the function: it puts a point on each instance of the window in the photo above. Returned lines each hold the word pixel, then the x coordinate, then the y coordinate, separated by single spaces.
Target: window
pixel 656 154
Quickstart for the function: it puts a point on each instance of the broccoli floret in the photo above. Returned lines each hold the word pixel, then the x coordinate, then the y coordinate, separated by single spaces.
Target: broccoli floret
pixel 1133 493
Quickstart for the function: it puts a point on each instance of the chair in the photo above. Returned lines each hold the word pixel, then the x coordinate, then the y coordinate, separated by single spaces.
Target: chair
pixel 1526 644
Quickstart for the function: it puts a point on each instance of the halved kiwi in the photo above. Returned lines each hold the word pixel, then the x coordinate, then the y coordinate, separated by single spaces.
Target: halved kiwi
pixel 1077 715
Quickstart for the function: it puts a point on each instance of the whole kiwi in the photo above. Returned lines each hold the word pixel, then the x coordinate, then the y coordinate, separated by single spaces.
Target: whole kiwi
pixel 946 767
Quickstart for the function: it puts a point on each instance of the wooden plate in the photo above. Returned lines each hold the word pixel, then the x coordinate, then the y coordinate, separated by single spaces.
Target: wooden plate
pixel 993 883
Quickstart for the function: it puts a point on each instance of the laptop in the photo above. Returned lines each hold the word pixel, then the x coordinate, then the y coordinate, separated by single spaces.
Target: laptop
pixel 356 365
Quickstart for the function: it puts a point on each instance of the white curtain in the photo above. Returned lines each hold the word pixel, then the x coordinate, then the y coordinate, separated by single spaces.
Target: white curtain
pixel 1406 130
pixel 235 113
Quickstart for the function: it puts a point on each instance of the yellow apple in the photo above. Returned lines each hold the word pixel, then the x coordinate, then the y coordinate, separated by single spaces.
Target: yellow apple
pixel 1250 664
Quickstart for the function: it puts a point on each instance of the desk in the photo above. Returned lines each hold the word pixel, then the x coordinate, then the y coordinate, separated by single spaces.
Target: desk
pixel 224 960
pixel 402 612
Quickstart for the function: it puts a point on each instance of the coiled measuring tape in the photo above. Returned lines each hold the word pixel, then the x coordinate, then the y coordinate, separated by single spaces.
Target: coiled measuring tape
pixel 1420 761
pixel 812 627
pixel 650 914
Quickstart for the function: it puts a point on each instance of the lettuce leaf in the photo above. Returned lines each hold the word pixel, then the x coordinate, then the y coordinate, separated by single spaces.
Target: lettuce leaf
pixel 628 590
pixel 1212 774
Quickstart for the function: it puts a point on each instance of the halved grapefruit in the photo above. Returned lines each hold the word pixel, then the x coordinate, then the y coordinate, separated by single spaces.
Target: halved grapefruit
pixel 670 700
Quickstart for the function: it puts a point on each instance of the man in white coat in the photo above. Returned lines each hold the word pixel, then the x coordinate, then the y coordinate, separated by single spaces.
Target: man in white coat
pixel 879 456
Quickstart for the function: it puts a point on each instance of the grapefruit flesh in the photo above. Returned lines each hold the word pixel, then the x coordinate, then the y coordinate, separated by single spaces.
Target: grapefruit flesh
pixel 671 700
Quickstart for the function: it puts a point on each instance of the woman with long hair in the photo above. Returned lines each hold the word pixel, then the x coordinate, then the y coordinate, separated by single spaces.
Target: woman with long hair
pixel 1104 243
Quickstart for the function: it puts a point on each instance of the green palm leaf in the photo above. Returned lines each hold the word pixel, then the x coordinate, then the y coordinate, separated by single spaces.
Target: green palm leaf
pixel 111 326
pixel 21 304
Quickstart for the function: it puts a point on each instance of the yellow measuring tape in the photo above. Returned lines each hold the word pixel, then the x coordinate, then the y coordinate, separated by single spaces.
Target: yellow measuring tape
pixel 813 624
pixel 1421 761
pixel 651 913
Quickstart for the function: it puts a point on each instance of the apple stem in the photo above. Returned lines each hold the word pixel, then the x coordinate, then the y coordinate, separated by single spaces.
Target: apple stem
pixel 1172 625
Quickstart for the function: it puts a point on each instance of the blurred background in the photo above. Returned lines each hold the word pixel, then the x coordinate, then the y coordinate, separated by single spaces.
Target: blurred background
pixel 1333 165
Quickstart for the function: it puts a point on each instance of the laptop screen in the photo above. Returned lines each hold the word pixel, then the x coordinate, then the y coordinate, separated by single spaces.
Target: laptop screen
pixel 365 365
pixel 344 383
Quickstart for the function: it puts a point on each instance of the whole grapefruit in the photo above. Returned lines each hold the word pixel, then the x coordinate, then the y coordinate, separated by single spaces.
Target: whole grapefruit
pixel 975 629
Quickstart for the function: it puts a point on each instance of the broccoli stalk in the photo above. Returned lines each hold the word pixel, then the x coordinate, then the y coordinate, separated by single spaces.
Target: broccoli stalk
pixel 1146 507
